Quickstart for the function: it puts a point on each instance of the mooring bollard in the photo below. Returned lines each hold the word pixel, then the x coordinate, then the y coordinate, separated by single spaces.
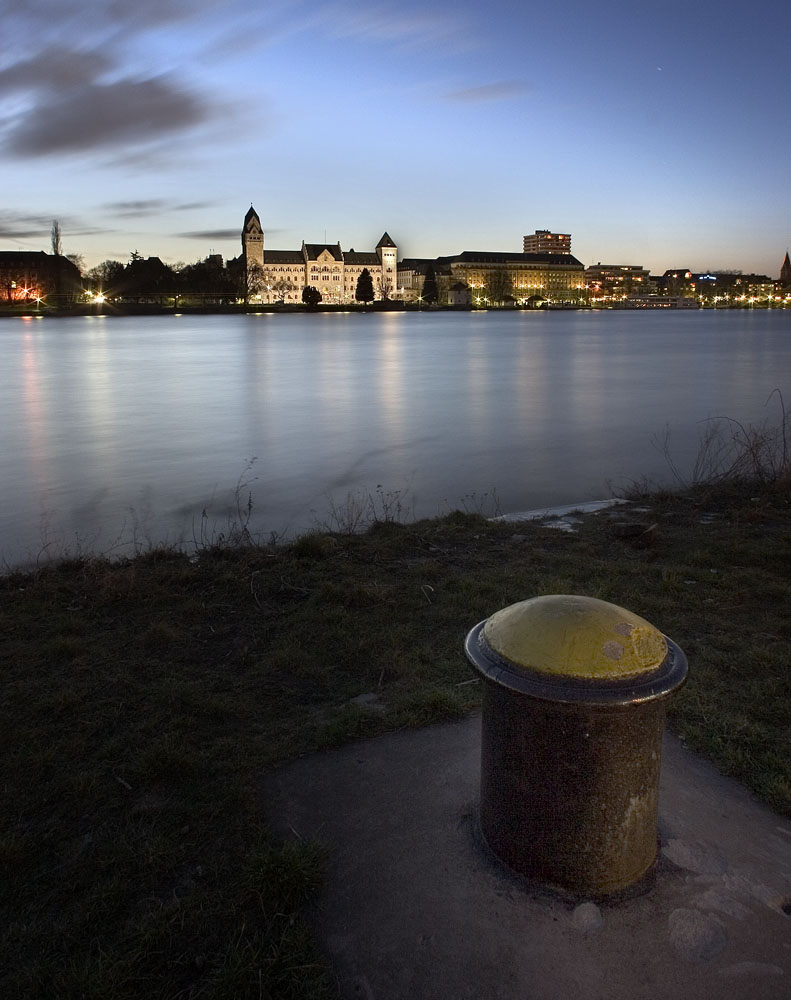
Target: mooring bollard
pixel 574 704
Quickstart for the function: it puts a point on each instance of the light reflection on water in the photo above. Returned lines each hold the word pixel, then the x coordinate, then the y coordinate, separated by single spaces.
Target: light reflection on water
pixel 121 428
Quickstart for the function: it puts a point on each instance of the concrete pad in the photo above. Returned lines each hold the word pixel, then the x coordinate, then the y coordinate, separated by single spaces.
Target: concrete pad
pixel 416 907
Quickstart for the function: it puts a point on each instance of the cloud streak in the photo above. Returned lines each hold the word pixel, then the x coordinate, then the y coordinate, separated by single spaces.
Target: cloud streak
pixel 414 27
pixel 27 226
pixel 54 68
pixel 212 234
pixel 90 78
pixel 151 206
pixel 97 117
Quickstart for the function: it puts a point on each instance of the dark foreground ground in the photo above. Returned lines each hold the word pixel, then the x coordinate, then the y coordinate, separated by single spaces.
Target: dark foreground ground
pixel 416 906
pixel 143 700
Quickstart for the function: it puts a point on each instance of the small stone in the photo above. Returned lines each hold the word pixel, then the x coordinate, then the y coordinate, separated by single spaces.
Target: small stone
pixel 587 917
pixel 696 936
pixel 695 857
pixel 365 700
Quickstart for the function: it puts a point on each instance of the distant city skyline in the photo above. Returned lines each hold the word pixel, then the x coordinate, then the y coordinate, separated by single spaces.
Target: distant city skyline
pixel 655 136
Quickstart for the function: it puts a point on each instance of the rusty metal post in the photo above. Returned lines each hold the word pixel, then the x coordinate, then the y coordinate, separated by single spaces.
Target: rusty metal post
pixel 574 701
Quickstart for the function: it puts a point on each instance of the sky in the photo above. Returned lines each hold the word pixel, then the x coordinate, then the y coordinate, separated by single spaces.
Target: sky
pixel 655 134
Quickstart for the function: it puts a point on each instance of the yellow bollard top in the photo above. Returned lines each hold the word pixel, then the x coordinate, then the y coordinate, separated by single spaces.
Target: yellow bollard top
pixel 580 637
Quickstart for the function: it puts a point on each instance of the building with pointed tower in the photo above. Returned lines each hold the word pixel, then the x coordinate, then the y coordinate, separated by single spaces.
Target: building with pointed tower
pixel 785 273
pixel 281 275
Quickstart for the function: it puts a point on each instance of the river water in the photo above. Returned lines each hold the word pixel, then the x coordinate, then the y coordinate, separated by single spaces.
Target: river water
pixel 123 431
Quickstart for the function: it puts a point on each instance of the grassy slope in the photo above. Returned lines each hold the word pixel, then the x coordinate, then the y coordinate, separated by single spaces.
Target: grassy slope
pixel 141 699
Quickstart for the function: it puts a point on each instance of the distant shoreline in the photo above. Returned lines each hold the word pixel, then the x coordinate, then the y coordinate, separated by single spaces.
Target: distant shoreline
pixel 130 309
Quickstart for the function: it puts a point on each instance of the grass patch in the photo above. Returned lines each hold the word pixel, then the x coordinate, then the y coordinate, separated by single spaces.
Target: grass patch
pixel 142 698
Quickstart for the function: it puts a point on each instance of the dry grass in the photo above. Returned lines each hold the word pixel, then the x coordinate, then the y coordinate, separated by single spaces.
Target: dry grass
pixel 142 698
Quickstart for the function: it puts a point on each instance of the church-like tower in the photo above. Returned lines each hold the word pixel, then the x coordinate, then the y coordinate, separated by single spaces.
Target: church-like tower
pixel 785 272
pixel 387 252
pixel 252 240
pixel 252 254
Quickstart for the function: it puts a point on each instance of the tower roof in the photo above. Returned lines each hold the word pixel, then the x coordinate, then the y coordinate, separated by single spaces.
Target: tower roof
pixel 251 214
pixel 385 242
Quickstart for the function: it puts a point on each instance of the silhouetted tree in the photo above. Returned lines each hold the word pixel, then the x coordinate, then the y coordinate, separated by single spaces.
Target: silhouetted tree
pixel 208 278
pixel 55 240
pixel 364 292
pixel 311 296
pixel 148 278
pixel 499 286
pixel 107 276
pixel 77 260
pixel 430 293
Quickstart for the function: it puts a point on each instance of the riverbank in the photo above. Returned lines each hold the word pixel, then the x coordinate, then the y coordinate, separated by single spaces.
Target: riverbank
pixel 143 698
pixel 219 309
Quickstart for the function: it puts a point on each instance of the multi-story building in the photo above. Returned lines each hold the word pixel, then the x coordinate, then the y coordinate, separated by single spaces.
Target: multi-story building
pixel 412 276
pixel 617 281
pixel 543 241
pixel 28 275
pixel 719 288
pixel 496 277
pixel 281 275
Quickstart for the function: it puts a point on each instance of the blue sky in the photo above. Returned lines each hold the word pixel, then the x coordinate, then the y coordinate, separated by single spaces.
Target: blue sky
pixel 655 135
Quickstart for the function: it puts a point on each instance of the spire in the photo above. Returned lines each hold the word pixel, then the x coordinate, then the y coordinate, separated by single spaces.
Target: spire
pixel 251 215
pixel 785 271
pixel 385 242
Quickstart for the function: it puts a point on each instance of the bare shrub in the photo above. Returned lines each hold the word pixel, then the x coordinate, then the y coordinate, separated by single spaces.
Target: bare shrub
pixel 730 451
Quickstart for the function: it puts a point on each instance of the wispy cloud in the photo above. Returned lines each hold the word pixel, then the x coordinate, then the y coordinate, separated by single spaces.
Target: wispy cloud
pixel 38 21
pixel 503 90
pixel 212 234
pixel 86 78
pixel 53 68
pixel 17 226
pixel 415 25
pixel 95 116
pixel 27 226
pixel 152 206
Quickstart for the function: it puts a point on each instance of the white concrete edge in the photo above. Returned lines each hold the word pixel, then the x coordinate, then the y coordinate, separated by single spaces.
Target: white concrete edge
pixel 591 507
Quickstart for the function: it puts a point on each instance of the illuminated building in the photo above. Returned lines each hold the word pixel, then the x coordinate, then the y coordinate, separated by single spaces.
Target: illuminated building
pixel 617 281
pixel 27 275
pixel 499 277
pixel 719 288
pixel 281 275
pixel 542 241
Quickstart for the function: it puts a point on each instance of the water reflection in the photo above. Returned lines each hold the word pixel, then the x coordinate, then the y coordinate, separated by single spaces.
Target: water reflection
pixel 107 423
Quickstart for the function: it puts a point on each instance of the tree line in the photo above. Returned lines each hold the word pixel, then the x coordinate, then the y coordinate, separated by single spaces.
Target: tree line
pixel 212 279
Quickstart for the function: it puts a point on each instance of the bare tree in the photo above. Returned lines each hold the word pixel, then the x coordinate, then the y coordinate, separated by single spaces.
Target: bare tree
pixel 499 286
pixel 254 280
pixel 385 288
pixel 55 240
pixel 78 260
